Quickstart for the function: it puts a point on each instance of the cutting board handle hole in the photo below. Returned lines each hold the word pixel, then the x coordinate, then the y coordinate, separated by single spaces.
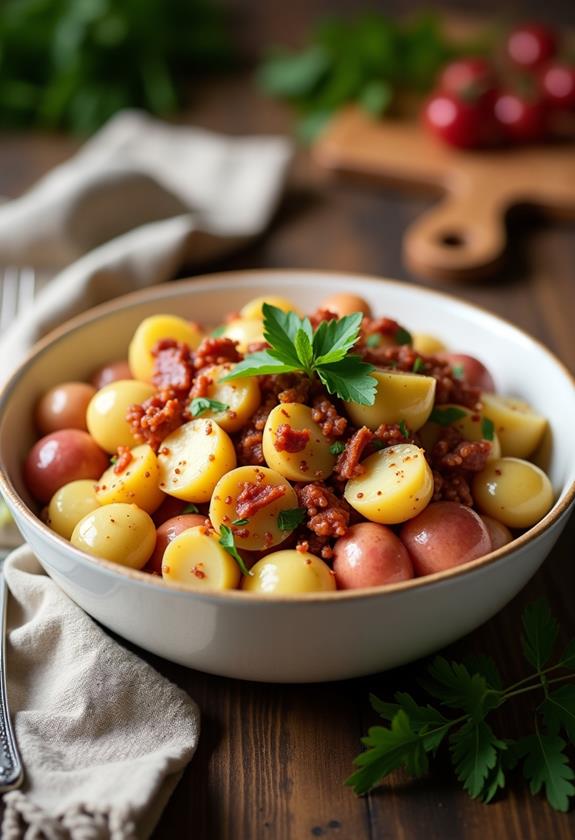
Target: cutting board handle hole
pixel 451 239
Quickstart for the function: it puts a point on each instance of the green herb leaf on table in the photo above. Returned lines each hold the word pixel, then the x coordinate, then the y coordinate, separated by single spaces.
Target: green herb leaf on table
pixel 446 416
pixel 227 541
pixel 474 748
pixel 558 710
pixel 457 688
pixel 294 346
pixel 199 405
pixel 290 519
pixel 546 765
pixel 540 632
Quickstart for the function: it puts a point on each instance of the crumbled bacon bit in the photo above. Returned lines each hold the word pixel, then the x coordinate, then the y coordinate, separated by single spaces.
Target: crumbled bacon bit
pixel 390 434
pixel 452 452
pixel 216 351
pixel 324 413
pixel 452 487
pixel 156 418
pixel 201 386
pixel 123 459
pixel 322 315
pixel 328 515
pixel 172 365
pixel 348 465
pixel 288 439
pixel 254 497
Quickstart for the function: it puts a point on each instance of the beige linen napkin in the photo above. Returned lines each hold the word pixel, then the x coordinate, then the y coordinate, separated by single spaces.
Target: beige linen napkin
pixel 104 738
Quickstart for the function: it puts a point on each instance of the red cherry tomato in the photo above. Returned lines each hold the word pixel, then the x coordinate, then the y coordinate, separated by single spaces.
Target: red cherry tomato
pixel 529 46
pixel 458 123
pixel 558 85
pixel 521 119
pixel 468 77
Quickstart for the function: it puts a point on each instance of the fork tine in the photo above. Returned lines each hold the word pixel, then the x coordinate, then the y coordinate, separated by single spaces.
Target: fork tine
pixel 9 288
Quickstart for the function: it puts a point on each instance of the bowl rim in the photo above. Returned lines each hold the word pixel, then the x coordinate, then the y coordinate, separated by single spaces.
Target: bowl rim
pixel 239 597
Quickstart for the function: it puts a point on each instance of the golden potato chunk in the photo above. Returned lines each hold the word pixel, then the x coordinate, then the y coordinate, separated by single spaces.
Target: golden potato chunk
pixel 138 484
pixel 241 396
pixel 513 491
pixel 396 485
pixel 259 495
pixel 429 345
pixel 152 330
pixel 345 303
pixel 197 560
pixel 252 310
pixel 400 396
pixel 71 503
pixel 470 424
pixel 518 427
pixel 294 444
pixel 106 414
pixel 193 459
pixel 121 533
pixel 289 572
pixel 245 331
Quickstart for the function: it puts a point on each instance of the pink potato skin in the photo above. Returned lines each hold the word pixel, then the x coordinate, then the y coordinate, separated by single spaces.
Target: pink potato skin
pixel 499 533
pixel 64 407
pixel 370 555
pixel 166 533
pixel 474 371
pixel 63 456
pixel 112 372
pixel 444 535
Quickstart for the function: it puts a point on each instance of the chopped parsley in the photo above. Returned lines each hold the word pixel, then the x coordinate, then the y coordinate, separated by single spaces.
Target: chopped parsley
pixel 337 447
pixel 227 541
pixel 487 429
pixel 418 365
pixel 290 519
pixel 447 416
pixel 403 429
pixel 199 405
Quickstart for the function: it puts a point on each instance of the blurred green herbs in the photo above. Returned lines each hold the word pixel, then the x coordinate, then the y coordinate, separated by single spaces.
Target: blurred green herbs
pixel 74 63
pixel 366 60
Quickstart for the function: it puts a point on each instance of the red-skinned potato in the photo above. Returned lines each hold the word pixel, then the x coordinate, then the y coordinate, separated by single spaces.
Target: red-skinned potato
pixel 370 555
pixel 112 372
pixel 345 303
pixel 64 407
pixel 444 535
pixel 170 508
pixel 474 372
pixel 59 458
pixel 166 533
pixel 498 532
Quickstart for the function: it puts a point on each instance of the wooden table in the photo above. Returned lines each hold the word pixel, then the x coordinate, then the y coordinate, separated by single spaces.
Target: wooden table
pixel 272 759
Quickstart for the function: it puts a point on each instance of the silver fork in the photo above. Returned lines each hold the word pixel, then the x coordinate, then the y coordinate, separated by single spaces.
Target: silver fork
pixel 17 291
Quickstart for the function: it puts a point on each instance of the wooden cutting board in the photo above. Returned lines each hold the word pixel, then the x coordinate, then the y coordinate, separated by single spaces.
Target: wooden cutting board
pixel 463 236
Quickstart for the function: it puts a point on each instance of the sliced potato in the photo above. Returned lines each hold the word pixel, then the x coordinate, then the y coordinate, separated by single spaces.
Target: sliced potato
pixel 242 396
pixel 245 331
pixel 396 485
pixel 121 533
pixel 289 572
pixel 152 330
pixel 192 460
pixel 313 461
pixel 71 503
pixel 400 396
pixel 513 491
pixel 252 310
pixel 471 426
pixel 106 414
pixel 263 528
pixel 138 484
pixel 197 560
pixel 518 427
pixel 429 345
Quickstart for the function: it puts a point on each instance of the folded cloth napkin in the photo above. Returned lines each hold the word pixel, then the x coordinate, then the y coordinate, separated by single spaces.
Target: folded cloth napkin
pixel 104 738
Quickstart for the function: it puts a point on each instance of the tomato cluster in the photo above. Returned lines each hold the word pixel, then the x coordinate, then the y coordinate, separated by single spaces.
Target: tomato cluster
pixel 475 106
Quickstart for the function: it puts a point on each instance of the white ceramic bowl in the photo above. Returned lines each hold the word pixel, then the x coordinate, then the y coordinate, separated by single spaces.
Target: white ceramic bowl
pixel 318 637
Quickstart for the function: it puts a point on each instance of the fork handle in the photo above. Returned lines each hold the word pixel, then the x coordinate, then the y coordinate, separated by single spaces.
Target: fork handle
pixel 11 773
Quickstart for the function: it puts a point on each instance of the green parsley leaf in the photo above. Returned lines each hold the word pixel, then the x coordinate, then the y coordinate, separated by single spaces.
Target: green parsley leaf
pixel 227 541
pixel 487 429
pixel 190 508
pixel 568 658
pixel 402 336
pixel 350 380
pixel 403 428
pixel 420 716
pixel 540 633
pixel 486 667
pixel 558 711
pixel 545 764
pixel 258 364
pixel 418 365
pixel 375 98
pixel 218 331
pixel 495 779
pixel 337 447
pixel 456 688
pixel 199 405
pixel 290 519
pixel 334 339
pixel 280 330
pixel 474 752
pixel 376 445
pixel 240 522
pixel 373 340
pixel 304 350
pixel 446 416
pixel 458 371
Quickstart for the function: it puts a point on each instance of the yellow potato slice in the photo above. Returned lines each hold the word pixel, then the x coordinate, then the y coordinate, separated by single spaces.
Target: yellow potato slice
pixel 242 396
pixel 471 426
pixel 427 344
pixel 121 533
pixel 152 330
pixel 252 310
pixel 138 484
pixel 400 396
pixel 518 427
pixel 71 503
pixel 197 560
pixel 289 572
pixel 245 331
pixel 263 527
pixel 396 485
pixel 106 414
pixel 513 491
pixel 192 460
pixel 314 461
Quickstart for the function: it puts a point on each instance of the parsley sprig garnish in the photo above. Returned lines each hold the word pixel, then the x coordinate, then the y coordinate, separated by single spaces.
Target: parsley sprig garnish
pixel 199 405
pixel 228 543
pixel 467 694
pixel 325 353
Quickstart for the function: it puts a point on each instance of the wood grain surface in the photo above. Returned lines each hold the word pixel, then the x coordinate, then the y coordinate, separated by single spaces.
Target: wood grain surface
pixel 272 759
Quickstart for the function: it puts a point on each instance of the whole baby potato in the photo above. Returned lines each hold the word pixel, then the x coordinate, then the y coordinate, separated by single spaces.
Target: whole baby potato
pixel 71 503
pixel 346 303
pixel 111 372
pixel 444 535
pixel 289 572
pixel 167 531
pixel 118 532
pixel 59 458
pixel 64 407
pixel 107 410
pixel 370 555
pixel 499 533
pixel 473 371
